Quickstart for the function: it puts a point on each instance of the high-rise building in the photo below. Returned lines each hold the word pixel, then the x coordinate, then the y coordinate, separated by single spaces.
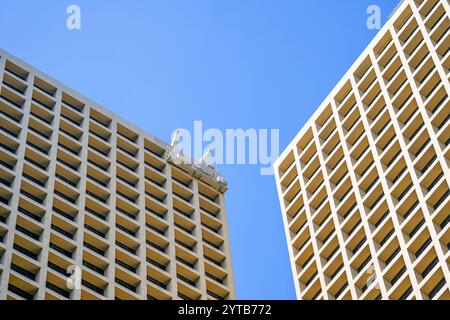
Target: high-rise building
pixel 364 186
pixel 89 197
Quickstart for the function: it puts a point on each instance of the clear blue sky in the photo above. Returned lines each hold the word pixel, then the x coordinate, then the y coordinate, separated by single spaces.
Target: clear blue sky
pixel 230 63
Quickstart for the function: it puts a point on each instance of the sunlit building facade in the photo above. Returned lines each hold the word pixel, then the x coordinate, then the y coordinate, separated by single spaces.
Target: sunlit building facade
pixel 364 186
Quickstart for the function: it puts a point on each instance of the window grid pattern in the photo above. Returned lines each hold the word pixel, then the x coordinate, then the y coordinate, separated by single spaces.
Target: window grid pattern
pixel 364 186
pixel 80 186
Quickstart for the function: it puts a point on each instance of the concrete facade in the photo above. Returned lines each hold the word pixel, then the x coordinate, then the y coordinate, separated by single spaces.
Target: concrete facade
pixel 364 186
pixel 82 189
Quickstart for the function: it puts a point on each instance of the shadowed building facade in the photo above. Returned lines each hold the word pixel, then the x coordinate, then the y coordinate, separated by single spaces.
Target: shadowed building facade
pixel 83 190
